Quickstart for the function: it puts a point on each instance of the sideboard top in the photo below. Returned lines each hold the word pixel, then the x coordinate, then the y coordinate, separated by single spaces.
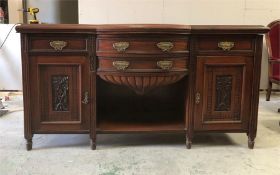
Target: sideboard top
pixel 259 29
pixel 140 28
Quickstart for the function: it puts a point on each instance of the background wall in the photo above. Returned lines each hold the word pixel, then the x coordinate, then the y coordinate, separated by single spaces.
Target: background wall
pixel 56 11
pixel 260 12
pixel 179 11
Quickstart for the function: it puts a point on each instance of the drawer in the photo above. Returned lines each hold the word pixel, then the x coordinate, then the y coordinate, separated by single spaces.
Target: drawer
pixel 142 64
pixel 65 43
pixel 142 46
pixel 225 43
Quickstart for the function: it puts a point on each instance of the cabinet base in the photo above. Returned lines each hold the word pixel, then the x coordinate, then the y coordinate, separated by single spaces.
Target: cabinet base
pixel 188 143
pixel 93 145
pixel 251 143
pixel 28 144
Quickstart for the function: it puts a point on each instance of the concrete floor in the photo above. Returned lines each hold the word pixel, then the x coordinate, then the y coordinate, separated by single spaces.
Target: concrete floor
pixel 144 154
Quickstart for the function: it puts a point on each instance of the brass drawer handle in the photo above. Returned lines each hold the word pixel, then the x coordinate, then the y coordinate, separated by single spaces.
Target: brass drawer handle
pixel 226 45
pixel 121 46
pixel 58 45
pixel 121 65
pixel 85 100
pixel 165 65
pixel 197 98
pixel 165 46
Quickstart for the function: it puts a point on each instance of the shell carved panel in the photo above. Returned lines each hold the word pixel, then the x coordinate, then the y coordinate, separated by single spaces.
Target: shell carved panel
pixel 142 83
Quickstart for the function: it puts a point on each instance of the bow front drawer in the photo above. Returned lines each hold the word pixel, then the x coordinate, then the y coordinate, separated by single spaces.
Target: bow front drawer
pixel 58 43
pixel 225 43
pixel 125 46
pixel 145 65
pixel 142 74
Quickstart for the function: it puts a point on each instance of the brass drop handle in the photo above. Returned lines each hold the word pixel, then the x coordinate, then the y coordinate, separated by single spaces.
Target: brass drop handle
pixel 58 45
pixel 197 98
pixel 121 46
pixel 121 65
pixel 226 45
pixel 165 46
pixel 165 65
pixel 86 98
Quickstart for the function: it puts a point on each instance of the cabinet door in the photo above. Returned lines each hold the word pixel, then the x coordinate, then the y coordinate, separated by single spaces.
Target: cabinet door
pixel 223 93
pixel 60 93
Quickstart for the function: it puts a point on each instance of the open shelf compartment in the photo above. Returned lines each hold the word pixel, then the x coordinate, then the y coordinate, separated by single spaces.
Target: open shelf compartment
pixel 120 109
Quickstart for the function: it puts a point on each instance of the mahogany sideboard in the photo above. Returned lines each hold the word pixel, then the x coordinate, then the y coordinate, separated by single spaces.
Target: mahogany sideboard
pixel 140 78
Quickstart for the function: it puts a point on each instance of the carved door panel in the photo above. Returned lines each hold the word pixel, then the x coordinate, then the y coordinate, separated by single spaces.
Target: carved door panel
pixel 60 93
pixel 222 99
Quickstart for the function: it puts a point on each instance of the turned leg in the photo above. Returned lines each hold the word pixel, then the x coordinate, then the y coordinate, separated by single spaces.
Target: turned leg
pixel 268 90
pixel 188 142
pixel 93 144
pixel 251 142
pixel 28 144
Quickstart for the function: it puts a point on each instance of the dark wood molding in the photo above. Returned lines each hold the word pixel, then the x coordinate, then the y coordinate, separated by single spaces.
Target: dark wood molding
pixel 255 91
pixel 24 6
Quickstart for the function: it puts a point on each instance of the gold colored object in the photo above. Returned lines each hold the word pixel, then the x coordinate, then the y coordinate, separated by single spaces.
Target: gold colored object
pixel 165 65
pixel 32 11
pixel 85 100
pixel 121 65
pixel 165 46
pixel 121 46
pixel 58 45
pixel 226 45
pixel 197 98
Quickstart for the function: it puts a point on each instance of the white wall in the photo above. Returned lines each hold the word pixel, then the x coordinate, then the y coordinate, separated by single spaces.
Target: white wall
pixel 179 11
pixel 222 12
pixel 10 59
